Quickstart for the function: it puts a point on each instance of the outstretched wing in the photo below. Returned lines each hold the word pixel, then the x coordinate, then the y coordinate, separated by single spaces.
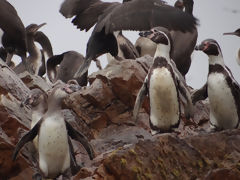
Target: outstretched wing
pixel 143 15
pixel 81 138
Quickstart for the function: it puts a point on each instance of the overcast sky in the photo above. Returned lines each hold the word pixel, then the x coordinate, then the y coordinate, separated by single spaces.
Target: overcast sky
pixel 216 17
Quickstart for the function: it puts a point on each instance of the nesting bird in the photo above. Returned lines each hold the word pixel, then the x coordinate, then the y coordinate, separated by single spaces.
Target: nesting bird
pixel 68 62
pixel 222 89
pixel 236 33
pixel 164 85
pixel 53 142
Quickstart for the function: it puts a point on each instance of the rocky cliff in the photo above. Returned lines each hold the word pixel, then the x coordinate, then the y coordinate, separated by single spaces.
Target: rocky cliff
pixel 124 149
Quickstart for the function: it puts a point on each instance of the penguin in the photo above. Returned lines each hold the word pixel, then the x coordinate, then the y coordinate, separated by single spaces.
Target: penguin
pixel 222 89
pixel 126 49
pixel 68 62
pixel 53 143
pixel 237 33
pixel 164 85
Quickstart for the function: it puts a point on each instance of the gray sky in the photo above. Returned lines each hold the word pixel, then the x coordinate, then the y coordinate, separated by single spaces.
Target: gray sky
pixel 216 17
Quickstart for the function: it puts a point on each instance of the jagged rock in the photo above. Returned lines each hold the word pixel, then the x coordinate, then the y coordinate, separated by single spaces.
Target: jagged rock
pixel 12 119
pixel 34 81
pixel 168 157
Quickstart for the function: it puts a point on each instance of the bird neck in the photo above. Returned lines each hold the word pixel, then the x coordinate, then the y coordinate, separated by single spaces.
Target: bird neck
pixel 32 48
pixel 54 104
pixel 162 51
pixel 216 60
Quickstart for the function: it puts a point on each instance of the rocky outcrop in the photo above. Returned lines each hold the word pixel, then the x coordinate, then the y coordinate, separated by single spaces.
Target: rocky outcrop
pixel 124 149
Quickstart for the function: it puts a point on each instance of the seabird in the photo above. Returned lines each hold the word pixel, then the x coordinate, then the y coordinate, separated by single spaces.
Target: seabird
pixel 34 60
pixel 164 86
pixel 222 89
pixel 46 50
pixel 53 142
pixel 237 33
pixel 68 62
pixel 14 35
pixel 183 42
pixel 132 15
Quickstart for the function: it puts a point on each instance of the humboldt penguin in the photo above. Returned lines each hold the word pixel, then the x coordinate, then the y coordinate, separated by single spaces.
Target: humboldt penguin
pixel 183 42
pixel 236 33
pixel 129 15
pixel 164 85
pixel 53 143
pixel 34 60
pixel 14 35
pixel 222 89
pixel 69 63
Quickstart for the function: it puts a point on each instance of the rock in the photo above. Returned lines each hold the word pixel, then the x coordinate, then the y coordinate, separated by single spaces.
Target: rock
pixel 10 83
pixel 34 81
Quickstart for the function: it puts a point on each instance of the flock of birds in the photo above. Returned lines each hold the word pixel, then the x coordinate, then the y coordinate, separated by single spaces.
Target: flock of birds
pixel 168 34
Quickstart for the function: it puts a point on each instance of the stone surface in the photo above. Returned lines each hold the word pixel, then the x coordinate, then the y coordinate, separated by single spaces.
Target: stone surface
pixel 102 111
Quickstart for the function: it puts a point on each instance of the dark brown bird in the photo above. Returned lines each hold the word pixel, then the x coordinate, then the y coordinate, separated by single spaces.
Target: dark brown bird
pixel 131 15
pixel 14 34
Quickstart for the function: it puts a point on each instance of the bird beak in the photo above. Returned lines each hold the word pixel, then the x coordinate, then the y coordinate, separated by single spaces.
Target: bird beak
pixel 83 68
pixel 145 33
pixel 229 33
pixel 199 47
pixel 41 25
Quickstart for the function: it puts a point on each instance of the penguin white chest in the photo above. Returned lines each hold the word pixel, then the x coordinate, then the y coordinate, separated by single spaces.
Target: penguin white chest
pixel 223 111
pixel 163 99
pixel 54 157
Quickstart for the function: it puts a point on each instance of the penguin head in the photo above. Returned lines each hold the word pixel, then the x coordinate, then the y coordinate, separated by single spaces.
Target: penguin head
pixel 33 28
pixel 209 47
pixel 159 35
pixel 179 4
pixel 36 97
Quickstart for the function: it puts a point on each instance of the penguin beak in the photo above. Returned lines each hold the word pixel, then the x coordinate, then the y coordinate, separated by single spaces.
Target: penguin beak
pixel 145 33
pixel 200 47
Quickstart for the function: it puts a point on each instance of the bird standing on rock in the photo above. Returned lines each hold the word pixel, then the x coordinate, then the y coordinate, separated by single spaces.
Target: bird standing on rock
pixel 222 89
pixel 164 86
pixel 53 142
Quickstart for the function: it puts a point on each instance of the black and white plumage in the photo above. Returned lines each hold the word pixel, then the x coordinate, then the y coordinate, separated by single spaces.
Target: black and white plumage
pixel 34 60
pixel 68 62
pixel 222 89
pixel 130 15
pixel 164 86
pixel 53 142
pixel 183 42
pixel 14 34
pixel 236 33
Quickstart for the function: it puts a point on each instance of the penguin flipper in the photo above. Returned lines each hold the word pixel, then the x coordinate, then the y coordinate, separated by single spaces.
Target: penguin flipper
pixel 186 99
pixel 199 94
pixel 81 138
pixel 26 138
pixel 73 162
pixel 140 97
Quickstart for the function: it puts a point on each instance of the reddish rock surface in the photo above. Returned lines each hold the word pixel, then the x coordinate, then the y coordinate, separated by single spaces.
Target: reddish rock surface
pixel 124 150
